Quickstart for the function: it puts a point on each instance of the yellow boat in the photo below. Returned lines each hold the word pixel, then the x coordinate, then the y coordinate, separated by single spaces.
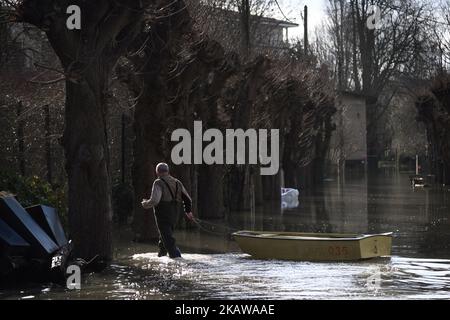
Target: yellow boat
pixel 313 246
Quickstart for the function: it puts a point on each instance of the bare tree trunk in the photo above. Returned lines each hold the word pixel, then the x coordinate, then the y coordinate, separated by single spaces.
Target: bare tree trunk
pixel 305 31
pixel 86 149
pixel 147 155
pixel 210 192
pixel 258 189
pixel 20 139
pixel 48 145
pixel 245 29
pixel 355 49
pixel 152 109
pixel 272 187
pixel 88 57
pixel 123 147
pixel 367 47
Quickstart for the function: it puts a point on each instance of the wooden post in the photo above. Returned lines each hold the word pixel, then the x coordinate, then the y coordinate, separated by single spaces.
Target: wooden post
pixel 417 164
pixel 252 204
pixel 397 160
pixel 306 30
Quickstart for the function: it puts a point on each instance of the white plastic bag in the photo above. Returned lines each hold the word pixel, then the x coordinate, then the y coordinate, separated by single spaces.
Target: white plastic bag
pixel 289 198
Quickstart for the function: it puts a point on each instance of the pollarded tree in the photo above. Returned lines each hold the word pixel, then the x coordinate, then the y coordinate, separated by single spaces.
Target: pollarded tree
pixel 88 56
pixel 386 50
pixel 370 51
pixel 434 110
pixel 175 72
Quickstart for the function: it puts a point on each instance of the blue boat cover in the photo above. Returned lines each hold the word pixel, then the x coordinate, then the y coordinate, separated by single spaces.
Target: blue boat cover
pixel 10 238
pixel 23 224
pixel 48 219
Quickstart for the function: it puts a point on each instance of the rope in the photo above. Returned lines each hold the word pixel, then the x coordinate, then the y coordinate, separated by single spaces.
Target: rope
pixel 199 222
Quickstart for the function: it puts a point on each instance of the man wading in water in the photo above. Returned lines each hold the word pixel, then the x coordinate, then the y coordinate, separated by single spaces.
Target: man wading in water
pixel 167 195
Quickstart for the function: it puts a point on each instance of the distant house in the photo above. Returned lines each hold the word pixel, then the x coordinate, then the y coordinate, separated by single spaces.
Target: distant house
pixel 272 33
pixel 266 34
pixel 349 141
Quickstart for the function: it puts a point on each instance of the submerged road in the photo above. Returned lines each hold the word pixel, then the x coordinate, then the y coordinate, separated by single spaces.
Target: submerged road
pixel 214 268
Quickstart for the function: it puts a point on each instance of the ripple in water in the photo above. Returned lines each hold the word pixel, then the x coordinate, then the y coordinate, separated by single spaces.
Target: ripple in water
pixel 237 276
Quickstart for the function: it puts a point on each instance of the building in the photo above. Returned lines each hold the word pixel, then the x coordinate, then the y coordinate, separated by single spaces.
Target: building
pixel 348 148
pixel 272 34
pixel 266 34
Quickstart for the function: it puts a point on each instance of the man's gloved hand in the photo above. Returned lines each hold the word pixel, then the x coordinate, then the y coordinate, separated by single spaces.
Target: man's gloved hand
pixel 190 216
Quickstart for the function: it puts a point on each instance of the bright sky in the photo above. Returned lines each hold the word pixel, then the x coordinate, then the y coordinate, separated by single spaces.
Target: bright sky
pixel 293 8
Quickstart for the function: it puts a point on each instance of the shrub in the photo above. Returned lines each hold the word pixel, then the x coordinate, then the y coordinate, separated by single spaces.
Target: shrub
pixel 33 190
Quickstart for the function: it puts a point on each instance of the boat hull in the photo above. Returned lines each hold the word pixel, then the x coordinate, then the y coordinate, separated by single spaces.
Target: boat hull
pixel 313 247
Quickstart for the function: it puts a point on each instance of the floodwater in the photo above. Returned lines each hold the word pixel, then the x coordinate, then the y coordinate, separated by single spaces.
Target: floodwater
pixel 214 268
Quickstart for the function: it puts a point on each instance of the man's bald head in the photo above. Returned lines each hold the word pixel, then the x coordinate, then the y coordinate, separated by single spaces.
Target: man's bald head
pixel 162 169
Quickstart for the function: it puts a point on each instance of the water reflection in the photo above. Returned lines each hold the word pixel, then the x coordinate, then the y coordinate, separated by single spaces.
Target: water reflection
pixel 236 276
pixel 418 217
pixel 214 268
